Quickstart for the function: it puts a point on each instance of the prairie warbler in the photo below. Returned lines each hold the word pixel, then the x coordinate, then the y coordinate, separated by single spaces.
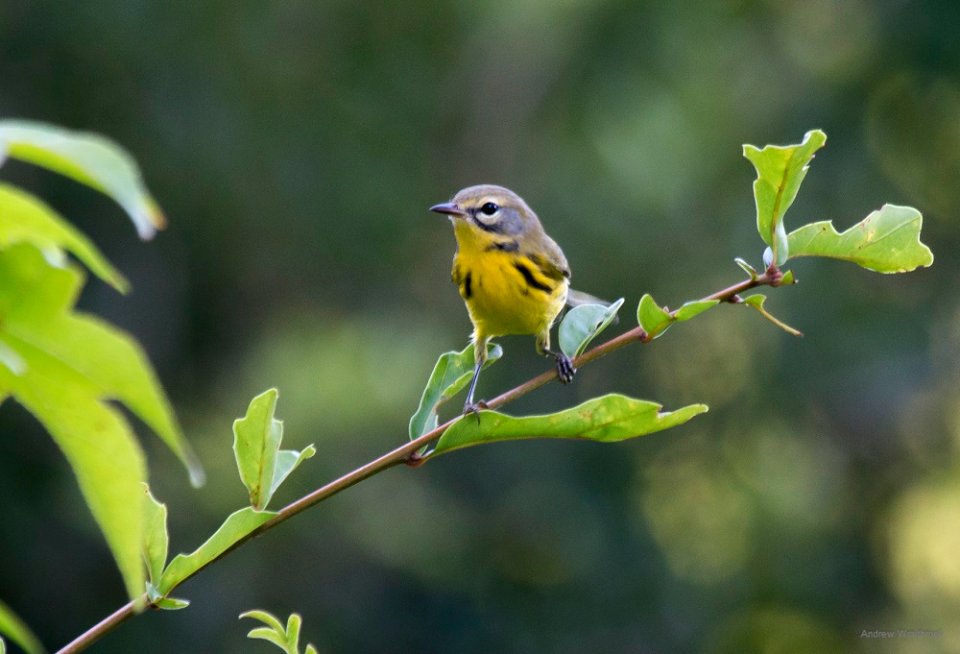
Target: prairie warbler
pixel 513 278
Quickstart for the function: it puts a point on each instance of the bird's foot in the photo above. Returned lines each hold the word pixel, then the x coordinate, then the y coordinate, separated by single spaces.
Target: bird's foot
pixel 475 407
pixel 565 369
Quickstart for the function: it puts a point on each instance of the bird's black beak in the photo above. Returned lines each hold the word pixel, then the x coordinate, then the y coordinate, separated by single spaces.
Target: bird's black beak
pixel 448 208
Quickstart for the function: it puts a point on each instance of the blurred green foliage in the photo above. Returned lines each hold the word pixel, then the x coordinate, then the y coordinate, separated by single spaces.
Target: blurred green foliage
pixel 295 148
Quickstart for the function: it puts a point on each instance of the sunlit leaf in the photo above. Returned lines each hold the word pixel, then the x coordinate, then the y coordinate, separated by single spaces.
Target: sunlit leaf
pixel 237 525
pixel 780 171
pixel 155 537
pixel 256 439
pixel 582 324
pixel 98 444
pixel 886 241
pixel 450 375
pixel 71 365
pixel 26 219
pixel 90 159
pixel 294 622
pixel 287 639
pixel 65 389
pixel 36 302
pixel 606 419
pixel 256 444
pixel 10 360
pixel 276 638
pixel 265 617
pixel 652 317
pixel 17 631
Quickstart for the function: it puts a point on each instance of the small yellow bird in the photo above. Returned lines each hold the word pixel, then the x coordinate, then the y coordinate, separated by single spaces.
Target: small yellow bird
pixel 513 278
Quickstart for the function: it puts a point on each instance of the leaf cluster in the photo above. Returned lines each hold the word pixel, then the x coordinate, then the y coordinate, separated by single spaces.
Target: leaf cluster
pixel 286 637
pixel 262 466
pixel 65 367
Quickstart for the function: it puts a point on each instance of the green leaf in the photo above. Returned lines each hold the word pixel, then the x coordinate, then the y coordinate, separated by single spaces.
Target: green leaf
pixel 71 365
pixel 450 375
pixel 256 445
pixel 36 302
pixel 157 600
pixel 606 419
pixel 780 171
pixel 286 462
pixel 652 317
pixel 747 268
pixel 294 623
pixel 582 324
pixel 655 320
pixel 886 241
pixel 26 219
pixel 155 538
pixel 757 301
pixel 171 604
pixel 17 631
pixel 286 639
pixel 237 526
pixel 68 373
pixel 256 440
pixel 270 636
pixel 90 159
pixel 263 616
pixel 693 309
pixel 12 361
pixel 99 447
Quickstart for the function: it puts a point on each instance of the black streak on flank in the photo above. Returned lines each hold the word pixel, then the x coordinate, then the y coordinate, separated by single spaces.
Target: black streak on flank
pixel 467 287
pixel 531 280
pixel 546 269
pixel 504 246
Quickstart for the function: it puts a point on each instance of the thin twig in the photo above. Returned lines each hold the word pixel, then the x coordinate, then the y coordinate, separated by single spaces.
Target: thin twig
pixel 407 453
pixel 101 629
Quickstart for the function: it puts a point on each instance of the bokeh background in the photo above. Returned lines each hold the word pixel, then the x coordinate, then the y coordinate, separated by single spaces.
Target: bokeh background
pixel 296 147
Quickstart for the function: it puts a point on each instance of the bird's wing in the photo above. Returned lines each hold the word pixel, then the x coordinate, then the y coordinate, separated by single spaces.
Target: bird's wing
pixel 575 298
pixel 548 258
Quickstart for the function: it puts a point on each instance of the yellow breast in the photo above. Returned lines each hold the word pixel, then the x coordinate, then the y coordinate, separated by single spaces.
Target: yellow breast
pixel 506 292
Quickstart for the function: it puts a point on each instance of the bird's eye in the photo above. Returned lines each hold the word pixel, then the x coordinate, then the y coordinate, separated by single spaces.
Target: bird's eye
pixel 489 209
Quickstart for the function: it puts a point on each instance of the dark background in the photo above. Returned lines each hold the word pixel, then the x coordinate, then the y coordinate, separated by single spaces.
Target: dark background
pixel 296 147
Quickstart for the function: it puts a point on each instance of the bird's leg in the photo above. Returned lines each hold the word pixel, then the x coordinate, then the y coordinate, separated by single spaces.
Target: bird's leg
pixel 469 406
pixel 565 369
pixel 480 355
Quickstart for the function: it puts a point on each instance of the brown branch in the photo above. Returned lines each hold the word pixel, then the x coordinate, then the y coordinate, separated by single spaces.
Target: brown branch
pixel 101 629
pixel 407 453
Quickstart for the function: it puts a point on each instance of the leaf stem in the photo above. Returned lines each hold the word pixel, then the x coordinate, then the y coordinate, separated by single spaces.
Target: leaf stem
pixel 407 453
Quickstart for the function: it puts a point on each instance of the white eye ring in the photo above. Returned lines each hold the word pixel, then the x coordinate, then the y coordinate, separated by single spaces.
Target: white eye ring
pixel 489 208
pixel 487 213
